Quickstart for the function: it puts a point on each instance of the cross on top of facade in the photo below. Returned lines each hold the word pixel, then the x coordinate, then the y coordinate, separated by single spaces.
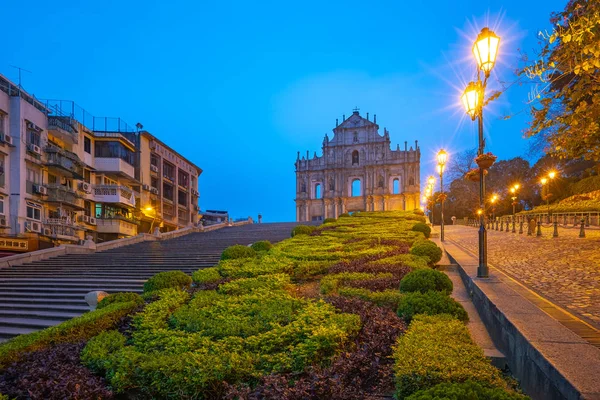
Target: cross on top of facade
pixel 356 109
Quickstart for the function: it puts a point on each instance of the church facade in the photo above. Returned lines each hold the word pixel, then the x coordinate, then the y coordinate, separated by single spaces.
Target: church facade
pixel 358 171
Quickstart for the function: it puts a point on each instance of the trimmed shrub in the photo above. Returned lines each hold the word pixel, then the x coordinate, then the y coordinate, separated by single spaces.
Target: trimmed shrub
pixel 439 349
pixel 167 279
pixel 238 251
pixel 385 298
pixel 262 245
pixel 466 390
pixel 330 283
pixel 329 220
pixel 207 275
pixel 424 280
pixel 430 303
pixel 344 215
pixel 96 353
pixel 423 228
pixel 303 230
pixel 426 248
pixel 418 211
pixel 72 331
pixel 121 297
pixel 263 282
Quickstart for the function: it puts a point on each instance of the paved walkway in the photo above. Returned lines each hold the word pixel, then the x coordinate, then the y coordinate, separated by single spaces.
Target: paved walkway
pixel 565 270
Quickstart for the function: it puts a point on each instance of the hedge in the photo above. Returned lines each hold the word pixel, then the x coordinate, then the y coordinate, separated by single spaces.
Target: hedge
pixel 303 230
pixel 121 297
pixel 423 228
pixel 427 248
pixel 438 349
pixel 262 245
pixel 430 303
pixel 237 251
pixel 466 390
pixel 425 280
pixel 167 279
pixel 71 331
pixel 207 275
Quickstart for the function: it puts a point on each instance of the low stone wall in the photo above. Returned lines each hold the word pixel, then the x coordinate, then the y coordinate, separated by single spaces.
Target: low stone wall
pixel 45 254
pixel 549 360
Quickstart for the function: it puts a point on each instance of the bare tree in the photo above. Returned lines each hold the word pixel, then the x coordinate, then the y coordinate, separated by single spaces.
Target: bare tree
pixel 460 164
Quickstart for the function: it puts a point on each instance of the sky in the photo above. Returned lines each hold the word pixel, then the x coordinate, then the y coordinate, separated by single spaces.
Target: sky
pixel 240 87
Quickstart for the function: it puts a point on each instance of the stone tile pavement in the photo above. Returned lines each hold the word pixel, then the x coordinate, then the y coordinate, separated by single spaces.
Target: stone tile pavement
pixel 564 270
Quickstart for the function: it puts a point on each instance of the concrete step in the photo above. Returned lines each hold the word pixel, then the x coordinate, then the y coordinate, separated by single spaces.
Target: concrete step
pixel 29 322
pixel 8 332
pixel 42 314
pixel 44 307
pixel 28 291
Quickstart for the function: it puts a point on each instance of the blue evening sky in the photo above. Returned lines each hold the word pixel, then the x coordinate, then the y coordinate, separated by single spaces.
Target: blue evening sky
pixel 240 87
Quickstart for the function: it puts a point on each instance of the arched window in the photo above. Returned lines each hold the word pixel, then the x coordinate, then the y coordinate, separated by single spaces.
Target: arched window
pixel 381 182
pixel 318 194
pixel 355 157
pixel 356 189
pixel 396 188
pixel 331 184
pixel 355 139
pixel 411 181
pixel 303 187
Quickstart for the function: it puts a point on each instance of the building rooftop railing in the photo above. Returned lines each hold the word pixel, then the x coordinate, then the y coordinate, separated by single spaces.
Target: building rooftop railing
pixel 14 90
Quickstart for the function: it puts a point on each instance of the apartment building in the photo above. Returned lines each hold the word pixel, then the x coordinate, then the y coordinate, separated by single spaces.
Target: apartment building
pixel 66 175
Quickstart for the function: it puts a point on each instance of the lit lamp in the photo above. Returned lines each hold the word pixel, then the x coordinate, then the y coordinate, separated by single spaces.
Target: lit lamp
pixel 493 201
pixel 442 157
pixel 485 50
pixel 513 192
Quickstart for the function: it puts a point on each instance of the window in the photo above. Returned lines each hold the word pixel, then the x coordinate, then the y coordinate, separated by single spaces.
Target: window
pixel 34 213
pixel 169 171
pixel 396 186
pixel 87 145
pixel 33 137
pixel 381 181
pixel 182 198
pixel 331 184
pixel 153 160
pixel 303 187
pixel 1 123
pixel 1 204
pixel 356 189
pixel 87 176
pixel 318 194
pixel 88 208
pixel 182 178
pixel 167 191
pixel 33 175
pixel 114 150
pixel 355 138
pixel 52 179
pixel 355 157
pixel 411 181
pixel 154 182
pixel 98 179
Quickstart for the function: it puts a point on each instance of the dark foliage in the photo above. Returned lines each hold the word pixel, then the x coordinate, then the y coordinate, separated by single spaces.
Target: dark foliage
pixel 364 264
pixel 376 285
pixel 53 373
pixel 364 370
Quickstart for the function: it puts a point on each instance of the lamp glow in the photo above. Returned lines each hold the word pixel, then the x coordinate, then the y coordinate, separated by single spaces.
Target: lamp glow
pixel 442 157
pixel 431 180
pixel 552 174
pixel 544 181
pixel 485 50
pixel 470 99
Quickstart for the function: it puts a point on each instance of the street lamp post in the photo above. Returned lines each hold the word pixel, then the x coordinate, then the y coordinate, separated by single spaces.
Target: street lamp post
pixel 430 189
pixel 442 157
pixel 513 191
pixel 485 51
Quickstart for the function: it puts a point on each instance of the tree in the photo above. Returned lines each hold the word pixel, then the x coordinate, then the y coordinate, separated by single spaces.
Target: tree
pixel 565 106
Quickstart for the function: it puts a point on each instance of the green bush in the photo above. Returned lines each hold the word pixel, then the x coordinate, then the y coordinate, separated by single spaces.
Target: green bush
pixel 262 245
pixel 96 353
pixel 330 283
pixel 155 314
pixel 426 248
pixel 252 267
pixel 207 275
pixel 72 331
pixel 424 280
pixel 303 230
pixel 418 211
pixel 423 228
pixel 430 303
pixel 329 220
pixel 586 185
pixel 466 390
pixel 438 349
pixel 122 297
pixel 343 215
pixel 387 298
pixel 167 279
pixel 238 251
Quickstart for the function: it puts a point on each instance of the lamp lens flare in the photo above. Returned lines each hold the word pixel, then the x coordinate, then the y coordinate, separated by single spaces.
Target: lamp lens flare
pixel 470 99
pixel 442 157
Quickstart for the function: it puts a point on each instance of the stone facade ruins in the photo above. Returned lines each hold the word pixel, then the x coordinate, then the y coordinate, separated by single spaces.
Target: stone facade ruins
pixel 358 171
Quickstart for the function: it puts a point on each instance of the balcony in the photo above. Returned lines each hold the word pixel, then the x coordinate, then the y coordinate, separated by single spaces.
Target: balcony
pixel 114 194
pixel 63 127
pixel 64 195
pixel 62 228
pixel 118 225
pixel 64 162
pixel 115 166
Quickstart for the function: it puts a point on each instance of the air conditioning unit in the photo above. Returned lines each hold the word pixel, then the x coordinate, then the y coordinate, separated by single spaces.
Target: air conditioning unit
pixel 153 168
pixel 154 190
pixel 84 218
pixel 47 231
pixel 31 226
pixel 30 125
pixel 37 150
pixel 7 139
pixel 92 221
pixel 41 189
pixel 146 187
pixel 3 221
pixel 85 187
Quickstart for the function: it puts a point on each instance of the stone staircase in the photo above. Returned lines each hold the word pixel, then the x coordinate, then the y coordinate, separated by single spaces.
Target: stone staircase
pixel 40 294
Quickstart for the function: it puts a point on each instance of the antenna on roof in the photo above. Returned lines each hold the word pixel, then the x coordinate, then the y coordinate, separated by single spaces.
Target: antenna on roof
pixel 20 69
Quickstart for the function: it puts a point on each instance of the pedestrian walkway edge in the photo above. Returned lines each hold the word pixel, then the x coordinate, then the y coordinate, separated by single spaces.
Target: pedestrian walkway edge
pixel 549 360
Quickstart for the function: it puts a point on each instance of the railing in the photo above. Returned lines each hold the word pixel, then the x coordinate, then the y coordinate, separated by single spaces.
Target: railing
pixel 66 160
pixel 66 221
pixel 62 230
pixel 63 194
pixel 121 192
pixel 112 134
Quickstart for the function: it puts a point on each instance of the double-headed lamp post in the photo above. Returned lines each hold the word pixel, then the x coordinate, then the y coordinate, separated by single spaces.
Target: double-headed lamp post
pixel 442 157
pixel 485 51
